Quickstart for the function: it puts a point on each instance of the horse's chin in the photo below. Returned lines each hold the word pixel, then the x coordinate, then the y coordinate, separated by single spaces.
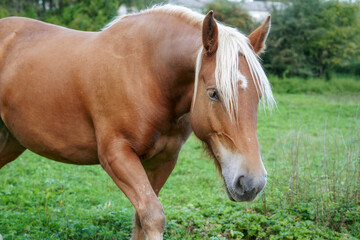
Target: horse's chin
pixel 229 195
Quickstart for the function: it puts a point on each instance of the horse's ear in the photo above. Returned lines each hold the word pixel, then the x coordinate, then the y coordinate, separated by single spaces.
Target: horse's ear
pixel 258 37
pixel 210 33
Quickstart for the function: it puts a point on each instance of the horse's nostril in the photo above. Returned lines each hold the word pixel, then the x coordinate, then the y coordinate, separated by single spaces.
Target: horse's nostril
pixel 241 186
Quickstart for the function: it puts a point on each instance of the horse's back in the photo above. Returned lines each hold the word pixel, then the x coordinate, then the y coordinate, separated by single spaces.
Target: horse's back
pixel 39 94
pixel 32 27
pixel 25 30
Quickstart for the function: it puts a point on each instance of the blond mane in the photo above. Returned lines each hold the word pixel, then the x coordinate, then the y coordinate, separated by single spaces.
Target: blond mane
pixel 184 13
pixel 230 43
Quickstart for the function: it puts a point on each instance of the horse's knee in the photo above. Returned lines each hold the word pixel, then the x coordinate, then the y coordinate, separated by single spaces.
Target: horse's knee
pixel 152 220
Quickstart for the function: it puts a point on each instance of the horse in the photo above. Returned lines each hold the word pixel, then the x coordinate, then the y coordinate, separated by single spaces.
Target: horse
pixel 128 97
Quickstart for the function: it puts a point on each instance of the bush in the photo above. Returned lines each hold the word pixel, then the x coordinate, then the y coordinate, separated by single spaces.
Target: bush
pixel 231 14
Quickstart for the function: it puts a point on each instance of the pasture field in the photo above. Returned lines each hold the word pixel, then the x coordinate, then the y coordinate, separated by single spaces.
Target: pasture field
pixel 311 150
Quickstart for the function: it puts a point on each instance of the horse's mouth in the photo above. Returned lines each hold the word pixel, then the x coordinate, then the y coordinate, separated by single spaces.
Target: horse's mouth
pixel 240 197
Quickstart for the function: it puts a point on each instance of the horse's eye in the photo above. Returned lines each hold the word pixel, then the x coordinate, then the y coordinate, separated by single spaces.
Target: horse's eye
pixel 213 94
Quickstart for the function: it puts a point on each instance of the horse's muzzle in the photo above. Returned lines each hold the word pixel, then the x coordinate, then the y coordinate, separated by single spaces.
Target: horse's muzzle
pixel 245 188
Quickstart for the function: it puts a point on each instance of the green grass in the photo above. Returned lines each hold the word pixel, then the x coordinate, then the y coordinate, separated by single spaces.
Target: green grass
pixel 338 84
pixel 311 150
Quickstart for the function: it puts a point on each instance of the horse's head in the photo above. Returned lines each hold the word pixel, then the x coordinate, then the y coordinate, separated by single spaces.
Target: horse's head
pixel 228 87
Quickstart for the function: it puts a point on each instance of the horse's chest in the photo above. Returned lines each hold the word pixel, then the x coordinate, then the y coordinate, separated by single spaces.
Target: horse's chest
pixel 167 145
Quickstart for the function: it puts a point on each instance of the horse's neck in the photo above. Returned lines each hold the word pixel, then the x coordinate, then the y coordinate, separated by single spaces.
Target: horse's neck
pixel 173 45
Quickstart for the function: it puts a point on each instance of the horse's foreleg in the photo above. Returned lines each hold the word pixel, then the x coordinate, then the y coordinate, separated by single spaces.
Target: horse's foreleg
pixel 157 179
pixel 124 167
pixel 10 149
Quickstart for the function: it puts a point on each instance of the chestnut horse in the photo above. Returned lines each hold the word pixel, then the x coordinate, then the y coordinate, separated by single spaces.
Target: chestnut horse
pixel 128 97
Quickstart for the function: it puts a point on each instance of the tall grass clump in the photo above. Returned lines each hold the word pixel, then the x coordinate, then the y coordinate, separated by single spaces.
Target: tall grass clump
pixel 322 179
pixel 315 165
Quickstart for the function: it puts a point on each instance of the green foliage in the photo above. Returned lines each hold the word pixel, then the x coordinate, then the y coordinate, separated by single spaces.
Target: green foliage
pixel 85 15
pixel 231 14
pixel 3 13
pixel 89 15
pixel 310 38
pixel 310 148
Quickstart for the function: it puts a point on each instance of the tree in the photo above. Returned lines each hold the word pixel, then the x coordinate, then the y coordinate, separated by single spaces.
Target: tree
pixel 312 38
